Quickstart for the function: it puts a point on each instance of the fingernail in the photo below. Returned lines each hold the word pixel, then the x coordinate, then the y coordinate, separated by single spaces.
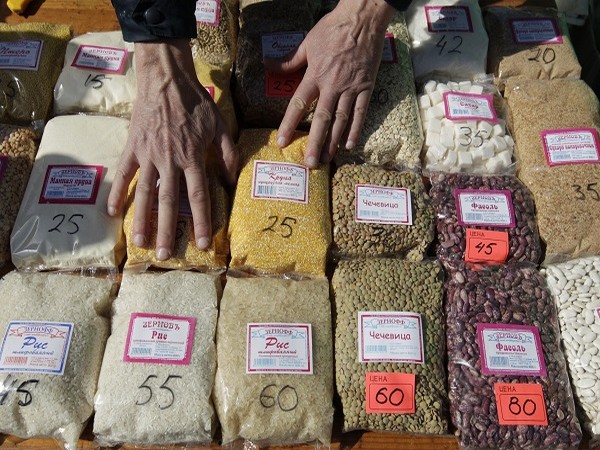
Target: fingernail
pixel 350 145
pixel 203 243
pixel 312 162
pixel 139 240
pixel 112 211
pixel 281 141
pixel 162 254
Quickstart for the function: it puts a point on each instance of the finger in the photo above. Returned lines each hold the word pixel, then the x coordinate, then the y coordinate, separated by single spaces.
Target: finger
pixel 338 128
pixel 168 208
pixel 227 154
pixel 358 118
pixel 199 198
pixel 319 129
pixel 143 202
pixel 292 62
pixel 120 185
pixel 306 93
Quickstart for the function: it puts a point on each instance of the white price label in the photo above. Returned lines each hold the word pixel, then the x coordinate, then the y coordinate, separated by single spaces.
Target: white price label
pixel 493 208
pixel 71 184
pixel 280 181
pixel 278 45
pixel 389 49
pixel 383 205
pixel 442 19
pixel 208 12
pixel 536 31
pixel 20 55
pixel 463 106
pixel 571 146
pixel 102 59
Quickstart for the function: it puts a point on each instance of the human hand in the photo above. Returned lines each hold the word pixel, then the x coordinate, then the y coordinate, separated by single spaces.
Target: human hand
pixel 174 122
pixel 342 54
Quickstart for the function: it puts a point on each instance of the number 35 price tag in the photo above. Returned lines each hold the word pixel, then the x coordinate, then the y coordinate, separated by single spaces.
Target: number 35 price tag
pixel 520 404
pixel 486 246
pixel 390 393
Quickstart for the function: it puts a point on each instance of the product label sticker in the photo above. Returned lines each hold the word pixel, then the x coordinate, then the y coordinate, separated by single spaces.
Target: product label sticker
pixel 598 313
pixel 543 30
pixel 389 50
pixel 442 19
pixel 3 165
pixel 208 12
pixel 21 55
pixel 464 106
pixel 34 346
pixel 520 404
pixel 159 339
pixel 571 146
pixel 390 393
pixel 384 205
pixel 390 336
pixel 485 246
pixel 278 45
pixel 282 85
pixel 76 185
pixel 510 350
pixel 279 348
pixel 101 59
pixel 493 208
pixel 211 91
pixel 280 181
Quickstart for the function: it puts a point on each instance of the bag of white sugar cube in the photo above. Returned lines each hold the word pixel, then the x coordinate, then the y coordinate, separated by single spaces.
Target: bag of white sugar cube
pixel 63 222
pixel 53 337
pixel 448 39
pixel 98 76
pixel 159 366
pixel 465 129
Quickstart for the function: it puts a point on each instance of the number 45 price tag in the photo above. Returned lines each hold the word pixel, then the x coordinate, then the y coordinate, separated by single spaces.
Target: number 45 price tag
pixel 484 246
pixel 390 393
pixel 520 404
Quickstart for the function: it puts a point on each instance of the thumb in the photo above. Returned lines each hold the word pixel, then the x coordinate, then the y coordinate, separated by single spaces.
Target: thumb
pixel 292 62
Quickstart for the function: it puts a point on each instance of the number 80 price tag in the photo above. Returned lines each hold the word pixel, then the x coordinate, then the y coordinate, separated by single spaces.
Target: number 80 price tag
pixel 520 404
pixel 390 393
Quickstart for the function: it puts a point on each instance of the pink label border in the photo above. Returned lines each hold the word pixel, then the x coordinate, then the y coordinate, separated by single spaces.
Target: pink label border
pixel 392 40
pixel 594 132
pixel 505 192
pixel 215 23
pixel 559 39
pixel 95 189
pixel 467 13
pixel 393 222
pixel 489 98
pixel 408 361
pixel 306 185
pixel 118 71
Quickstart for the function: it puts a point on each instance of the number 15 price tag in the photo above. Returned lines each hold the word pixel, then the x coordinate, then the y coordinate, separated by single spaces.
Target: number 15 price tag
pixel 484 246
pixel 520 404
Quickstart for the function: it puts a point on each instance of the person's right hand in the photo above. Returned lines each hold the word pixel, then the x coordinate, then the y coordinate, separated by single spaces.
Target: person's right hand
pixel 174 122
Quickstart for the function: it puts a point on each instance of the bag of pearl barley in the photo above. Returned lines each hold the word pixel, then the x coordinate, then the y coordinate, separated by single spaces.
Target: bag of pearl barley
pixel 158 369
pixel 280 222
pixel 389 346
pixel 53 338
pixel 274 383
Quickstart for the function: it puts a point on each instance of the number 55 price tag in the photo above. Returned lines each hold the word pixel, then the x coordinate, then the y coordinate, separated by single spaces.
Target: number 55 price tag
pixel 520 404
pixel 390 393
pixel 484 246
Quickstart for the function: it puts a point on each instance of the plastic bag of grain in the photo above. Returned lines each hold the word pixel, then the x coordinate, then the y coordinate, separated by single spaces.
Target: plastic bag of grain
pixel 217 27
pixel 389 345
pixel 465 129
pixel 280 221
pixel 159 366
pixel 53 338
pixel 448 37
pixel 98 76
pixel 18 147
pixel 269 29
pixel 529 43
pixel 274 382
pixel 379 212
pixel 32 60
pixel 62 222
pixel 392 131
pixel 555 124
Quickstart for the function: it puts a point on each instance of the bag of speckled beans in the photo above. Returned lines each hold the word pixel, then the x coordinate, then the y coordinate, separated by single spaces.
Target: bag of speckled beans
pixel 391 133
pixel 158 370
pixel 186 255
pixel 389 346
pixel 555 124
pixel 18 146
pixel 507 376
pixel 465 130
pixel 273 30
pixel 274 382
pixel 529 43
pixel 484 219
pixel 380 212
pixel 53 335
pixel 62 223
pixel 448 39
pixel 280 221
pixel 98 76
pixel 32 60
pixel 575 286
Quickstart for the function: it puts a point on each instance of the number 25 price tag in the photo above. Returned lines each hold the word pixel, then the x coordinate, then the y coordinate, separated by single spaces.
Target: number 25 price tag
pixel 390 393
pixel 520 404
pixel 282 85
pixel 484 246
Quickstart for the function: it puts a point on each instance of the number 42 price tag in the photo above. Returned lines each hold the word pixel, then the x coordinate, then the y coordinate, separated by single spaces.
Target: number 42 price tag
pixel 520 404
pixel 484 246
pixel 390 393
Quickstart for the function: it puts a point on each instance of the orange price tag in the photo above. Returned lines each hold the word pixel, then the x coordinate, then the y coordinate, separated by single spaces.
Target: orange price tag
pixel 282 85
pixel 486 246
pixel 390 393
pixel 520 404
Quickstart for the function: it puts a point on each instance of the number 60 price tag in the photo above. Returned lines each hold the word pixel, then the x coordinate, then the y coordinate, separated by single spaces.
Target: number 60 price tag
pixel 390 393
pixel 520 404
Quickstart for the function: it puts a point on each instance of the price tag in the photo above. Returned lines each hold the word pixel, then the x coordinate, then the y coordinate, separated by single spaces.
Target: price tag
pixel 441 19
pixel 536 31
pixel 390 393
pixel 21 55
pixel 211 91
pixel 520 404
pixel 280 85
pixel 389 50
pixel 571 146
pixel 102 59
pixel 71 184
pixel 464 106
pixel 485 246
pixel 208 12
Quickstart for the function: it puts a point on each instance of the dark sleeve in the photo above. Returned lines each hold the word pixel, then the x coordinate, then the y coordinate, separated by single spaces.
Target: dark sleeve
pixel 400 5
pixel 147 20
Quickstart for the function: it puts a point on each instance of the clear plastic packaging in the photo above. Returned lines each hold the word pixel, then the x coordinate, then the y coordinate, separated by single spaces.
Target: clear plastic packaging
pixel 217 32
pixel 53 338
pixel 380 212
pixel 507 376
pixel 98 76
pixel 158 371
pixel 390 323
pixel 274 408
pixel 63 223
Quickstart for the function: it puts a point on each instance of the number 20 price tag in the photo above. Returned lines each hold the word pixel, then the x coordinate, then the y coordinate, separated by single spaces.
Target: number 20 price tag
pixel 520 404
pixel 390 393
pixel 484 246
